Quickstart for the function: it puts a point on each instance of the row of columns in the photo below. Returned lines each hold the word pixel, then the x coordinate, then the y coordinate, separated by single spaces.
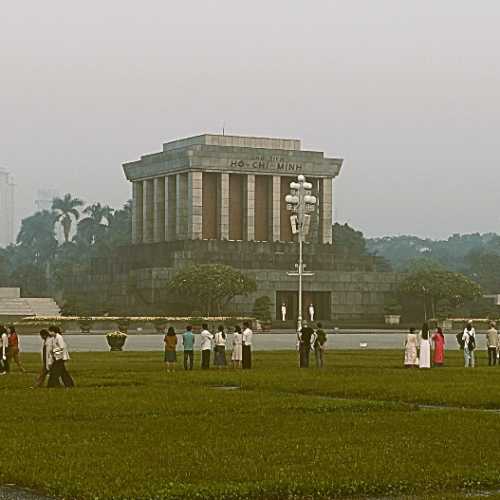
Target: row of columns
pixel 171 208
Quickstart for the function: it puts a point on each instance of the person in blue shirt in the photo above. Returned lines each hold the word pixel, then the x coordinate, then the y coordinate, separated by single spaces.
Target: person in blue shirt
pixel 188 344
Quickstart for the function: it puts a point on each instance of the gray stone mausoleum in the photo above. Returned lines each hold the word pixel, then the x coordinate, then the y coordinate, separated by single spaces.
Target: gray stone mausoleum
pixel 220 199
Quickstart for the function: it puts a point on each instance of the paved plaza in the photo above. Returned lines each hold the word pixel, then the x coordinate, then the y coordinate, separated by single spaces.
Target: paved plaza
pixel 262 342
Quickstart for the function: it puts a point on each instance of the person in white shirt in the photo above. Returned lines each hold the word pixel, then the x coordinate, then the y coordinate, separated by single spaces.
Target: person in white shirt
pixel 469 341
pixel 247 346
pixel 4 346
pixel 492 344
pixel 237 347
pixel 206 346
pixel 220 348
pixel 58 355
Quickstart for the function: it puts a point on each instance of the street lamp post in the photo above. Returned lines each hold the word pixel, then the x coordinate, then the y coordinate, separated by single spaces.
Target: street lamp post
pixel 300 202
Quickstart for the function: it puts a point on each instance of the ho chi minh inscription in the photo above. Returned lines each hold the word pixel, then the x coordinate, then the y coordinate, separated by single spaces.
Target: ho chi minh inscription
pixel 274 163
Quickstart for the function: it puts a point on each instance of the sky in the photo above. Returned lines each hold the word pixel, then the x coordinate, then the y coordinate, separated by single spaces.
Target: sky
pixel 406 92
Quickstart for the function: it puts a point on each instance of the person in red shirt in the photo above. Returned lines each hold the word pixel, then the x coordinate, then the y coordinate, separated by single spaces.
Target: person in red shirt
pixel 13 351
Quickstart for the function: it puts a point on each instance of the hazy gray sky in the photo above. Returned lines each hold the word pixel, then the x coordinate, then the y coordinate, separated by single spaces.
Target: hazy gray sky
pixel 406 91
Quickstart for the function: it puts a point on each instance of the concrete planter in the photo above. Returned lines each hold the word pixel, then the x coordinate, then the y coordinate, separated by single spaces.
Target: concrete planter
pixel 392 319
pixel 116 342
pixel 446 324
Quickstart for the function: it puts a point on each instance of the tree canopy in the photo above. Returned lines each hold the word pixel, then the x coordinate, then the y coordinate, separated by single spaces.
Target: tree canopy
pixel 437 287
pixel 66 209
pixel 41 266
pixel 210 287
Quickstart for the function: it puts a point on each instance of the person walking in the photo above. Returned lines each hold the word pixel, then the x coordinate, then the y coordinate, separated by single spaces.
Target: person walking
pixel 425 347
pixel 4 351
pixel 237 354
pixel 319 345
pixel 220 348
pixel 14 348
pixel 247 346
pixel 492 344
pixel 57 356
pixel 469 342
pixel 206 346
pixel 411 349
pixel 188 346
pixel 305 336
pixel 44 335
pixel 439 344
pixel 170 340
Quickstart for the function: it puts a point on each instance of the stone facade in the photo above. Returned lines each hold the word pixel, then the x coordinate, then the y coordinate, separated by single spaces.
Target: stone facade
pixel 135 277
pixel 202 167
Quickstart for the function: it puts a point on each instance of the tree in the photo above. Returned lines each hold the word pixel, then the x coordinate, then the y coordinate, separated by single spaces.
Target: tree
pixel 36 237
pixel 5 268
pixel 66 210
pixel 434 285
pixel 485 268
pixel 92 228
pixel 210 287
pixel 120 226
pixel 262 308
pixel 349 241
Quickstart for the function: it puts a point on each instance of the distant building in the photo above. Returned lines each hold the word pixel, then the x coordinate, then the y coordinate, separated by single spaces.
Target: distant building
pixel 6 208
pixel 44 198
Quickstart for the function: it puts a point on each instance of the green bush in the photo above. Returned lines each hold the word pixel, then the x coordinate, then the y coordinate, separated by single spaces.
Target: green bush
pixel 262 308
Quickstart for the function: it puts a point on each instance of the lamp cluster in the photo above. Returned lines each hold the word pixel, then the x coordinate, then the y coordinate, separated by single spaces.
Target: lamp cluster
pixel 301 202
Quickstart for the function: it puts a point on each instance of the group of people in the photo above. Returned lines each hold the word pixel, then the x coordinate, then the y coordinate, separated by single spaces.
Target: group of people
pixel 418 346
pixel 9 343
pixel 311 339
pixel 54 353
pixel 241 356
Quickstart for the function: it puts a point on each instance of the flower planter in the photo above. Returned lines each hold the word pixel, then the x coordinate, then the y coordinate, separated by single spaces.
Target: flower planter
pixel 85 326
pixel 392 319
pixel 116 341
pixel 446 324
pixel 267 326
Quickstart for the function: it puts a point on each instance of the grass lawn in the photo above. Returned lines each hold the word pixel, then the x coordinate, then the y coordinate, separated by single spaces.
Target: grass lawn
pixel 130 430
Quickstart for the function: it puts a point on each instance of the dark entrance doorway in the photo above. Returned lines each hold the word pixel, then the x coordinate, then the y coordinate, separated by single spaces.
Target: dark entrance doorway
pixel 320 300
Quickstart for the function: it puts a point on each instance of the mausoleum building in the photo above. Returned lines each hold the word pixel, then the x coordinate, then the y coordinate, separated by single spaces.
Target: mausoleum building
pixel 226 188
pixel 218 199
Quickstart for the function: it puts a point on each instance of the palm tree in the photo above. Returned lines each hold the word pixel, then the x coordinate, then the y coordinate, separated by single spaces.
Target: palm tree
pixel 66 210
pixel 92 228
pixel 37 234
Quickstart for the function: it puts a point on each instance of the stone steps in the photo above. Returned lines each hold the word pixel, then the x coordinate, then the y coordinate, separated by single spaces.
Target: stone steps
pixel 29 307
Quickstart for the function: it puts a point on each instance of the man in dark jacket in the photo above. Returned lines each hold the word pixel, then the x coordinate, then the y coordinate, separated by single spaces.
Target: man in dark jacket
pixel 305 335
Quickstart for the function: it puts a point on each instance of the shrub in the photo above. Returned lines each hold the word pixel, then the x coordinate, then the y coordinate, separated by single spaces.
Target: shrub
pixel 262 308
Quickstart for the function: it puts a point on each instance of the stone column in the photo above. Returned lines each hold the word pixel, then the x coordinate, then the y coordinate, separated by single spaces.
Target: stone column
pixel 325 210
pixel 276 208
pixel 249 211
pixel 223 201
pixel 170 208
pixel 195 205
pixel 137 202
pixel 181 205
pixel 147 211
pixel 159 209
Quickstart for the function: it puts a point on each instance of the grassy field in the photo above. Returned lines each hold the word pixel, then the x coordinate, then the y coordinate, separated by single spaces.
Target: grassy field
pixel 130 430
